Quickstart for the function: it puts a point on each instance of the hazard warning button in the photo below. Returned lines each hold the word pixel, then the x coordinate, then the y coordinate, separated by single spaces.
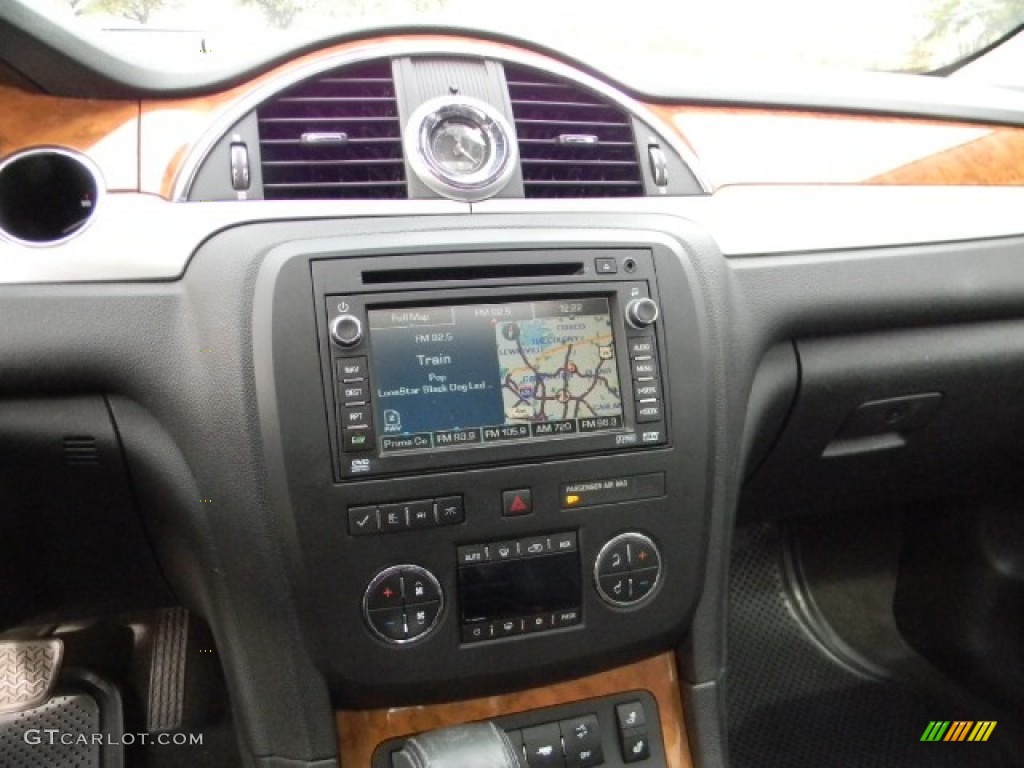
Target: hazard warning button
pixel 518 502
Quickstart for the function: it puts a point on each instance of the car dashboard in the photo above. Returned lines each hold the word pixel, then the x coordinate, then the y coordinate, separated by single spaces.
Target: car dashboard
pixel 435 373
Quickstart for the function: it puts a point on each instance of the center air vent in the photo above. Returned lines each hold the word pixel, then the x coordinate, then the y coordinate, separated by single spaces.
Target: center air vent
pixel 336 136
pixel 572 141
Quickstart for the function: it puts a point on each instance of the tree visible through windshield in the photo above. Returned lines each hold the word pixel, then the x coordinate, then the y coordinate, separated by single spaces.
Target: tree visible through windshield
pixel 890 35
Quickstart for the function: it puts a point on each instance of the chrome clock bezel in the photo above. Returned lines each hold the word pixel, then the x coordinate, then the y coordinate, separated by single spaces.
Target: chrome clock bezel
pixel 498 166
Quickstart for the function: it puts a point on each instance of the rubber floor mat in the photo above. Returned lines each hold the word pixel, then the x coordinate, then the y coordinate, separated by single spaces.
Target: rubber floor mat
pixel 78 727
pixel 792 704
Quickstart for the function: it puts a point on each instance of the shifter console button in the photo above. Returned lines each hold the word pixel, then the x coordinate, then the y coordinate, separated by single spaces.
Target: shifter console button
pixel 543 744
pixel 582 741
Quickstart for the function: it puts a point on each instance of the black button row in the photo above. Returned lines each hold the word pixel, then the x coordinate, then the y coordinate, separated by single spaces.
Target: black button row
pixel 513 549
pixel 633 734
pixel 355 417
pixel 572 743
pixel 519 625
pixel 643 360
pixel 404 516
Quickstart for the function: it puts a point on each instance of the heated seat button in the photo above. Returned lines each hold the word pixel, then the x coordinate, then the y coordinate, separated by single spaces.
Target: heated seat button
pixel 419 587
pixel 615 588
pixel 421 617
pixel 636 745
pixel 630 715
pixel 385 591
pixel 582 741
pixel 614 559
pixel 543 745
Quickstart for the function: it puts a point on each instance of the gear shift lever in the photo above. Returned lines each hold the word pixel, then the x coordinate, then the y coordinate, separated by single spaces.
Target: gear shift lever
pixel 477 745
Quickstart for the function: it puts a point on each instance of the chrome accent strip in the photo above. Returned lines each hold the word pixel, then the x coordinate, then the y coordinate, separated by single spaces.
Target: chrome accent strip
pixel 375 50
pixel 87 163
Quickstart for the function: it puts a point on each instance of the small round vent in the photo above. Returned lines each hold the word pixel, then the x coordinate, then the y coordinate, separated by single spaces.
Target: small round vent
pixel 47 195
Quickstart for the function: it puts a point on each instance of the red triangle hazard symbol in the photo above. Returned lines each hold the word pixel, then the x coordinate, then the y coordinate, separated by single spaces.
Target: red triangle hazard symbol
pixel 517 505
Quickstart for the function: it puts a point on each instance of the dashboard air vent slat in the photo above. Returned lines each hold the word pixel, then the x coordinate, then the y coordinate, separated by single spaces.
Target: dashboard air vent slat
pixel 572 142
pixel 356 110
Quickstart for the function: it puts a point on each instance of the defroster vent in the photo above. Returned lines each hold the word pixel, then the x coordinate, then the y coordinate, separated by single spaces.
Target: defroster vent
pixel 335 136
pixel 572 142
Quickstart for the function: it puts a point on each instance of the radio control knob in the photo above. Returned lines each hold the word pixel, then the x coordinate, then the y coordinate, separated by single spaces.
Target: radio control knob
pixel 641 313
pixel 346 330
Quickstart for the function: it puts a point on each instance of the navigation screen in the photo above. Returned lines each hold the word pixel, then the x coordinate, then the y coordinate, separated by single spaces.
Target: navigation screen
pixel 447 376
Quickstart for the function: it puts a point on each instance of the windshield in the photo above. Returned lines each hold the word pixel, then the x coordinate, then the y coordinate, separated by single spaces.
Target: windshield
pixel 716 35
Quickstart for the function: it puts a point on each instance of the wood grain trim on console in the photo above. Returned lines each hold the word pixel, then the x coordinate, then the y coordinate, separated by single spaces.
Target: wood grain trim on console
pixel 761 146
pixel 106 131
pixel 361 731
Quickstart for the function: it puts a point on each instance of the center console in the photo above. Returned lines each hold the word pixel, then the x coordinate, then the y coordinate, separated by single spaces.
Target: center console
pixel 496 453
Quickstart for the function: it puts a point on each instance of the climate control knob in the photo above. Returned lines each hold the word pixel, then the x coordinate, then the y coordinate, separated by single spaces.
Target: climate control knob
pixel 402 604
pixel 641 313
pixel 346 330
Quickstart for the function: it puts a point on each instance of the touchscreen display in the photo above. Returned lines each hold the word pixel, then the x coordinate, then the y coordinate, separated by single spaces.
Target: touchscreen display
pixel 454 375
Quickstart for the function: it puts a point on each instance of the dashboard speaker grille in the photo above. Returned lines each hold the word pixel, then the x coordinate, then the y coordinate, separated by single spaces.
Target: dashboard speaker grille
pixel 572 142
pixel 335 136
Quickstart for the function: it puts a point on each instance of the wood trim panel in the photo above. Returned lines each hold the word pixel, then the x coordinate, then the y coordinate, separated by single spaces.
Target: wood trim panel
pixel 361 731
pixel 761 146
pixel 106 131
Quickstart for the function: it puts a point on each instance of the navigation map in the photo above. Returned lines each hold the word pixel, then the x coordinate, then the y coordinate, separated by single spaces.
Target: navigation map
pixel 557 368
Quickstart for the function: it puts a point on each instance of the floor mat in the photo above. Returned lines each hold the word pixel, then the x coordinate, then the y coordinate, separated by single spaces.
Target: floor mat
pixel 78 727
pixel 793 704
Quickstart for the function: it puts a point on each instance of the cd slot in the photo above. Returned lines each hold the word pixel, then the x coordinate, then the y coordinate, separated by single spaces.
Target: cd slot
pixel 474 272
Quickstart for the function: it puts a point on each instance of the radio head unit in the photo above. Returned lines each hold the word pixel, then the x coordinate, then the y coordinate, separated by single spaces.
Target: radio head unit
pixel 426 381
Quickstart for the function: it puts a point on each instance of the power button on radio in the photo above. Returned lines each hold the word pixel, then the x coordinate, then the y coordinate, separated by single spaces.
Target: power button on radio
pixel 346 330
